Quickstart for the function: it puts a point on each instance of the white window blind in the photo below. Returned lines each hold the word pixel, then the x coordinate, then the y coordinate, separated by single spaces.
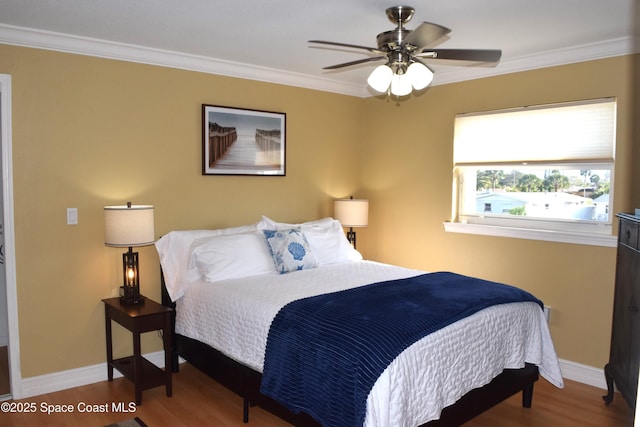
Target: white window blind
pixel 574 132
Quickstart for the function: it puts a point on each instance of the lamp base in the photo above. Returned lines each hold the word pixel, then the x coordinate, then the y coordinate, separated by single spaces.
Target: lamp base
pixel 129 297
pixel 351 237
pixel 132 301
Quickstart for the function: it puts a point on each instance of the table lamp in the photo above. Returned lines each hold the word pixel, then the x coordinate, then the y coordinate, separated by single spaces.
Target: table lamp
pixel 351 213
pixel 129 226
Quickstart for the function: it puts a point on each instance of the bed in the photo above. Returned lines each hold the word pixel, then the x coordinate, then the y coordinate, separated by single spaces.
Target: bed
pixel 230 288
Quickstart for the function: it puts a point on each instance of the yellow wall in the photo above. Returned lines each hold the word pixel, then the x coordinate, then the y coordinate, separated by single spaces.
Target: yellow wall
pixel 89 132
pixel 408 180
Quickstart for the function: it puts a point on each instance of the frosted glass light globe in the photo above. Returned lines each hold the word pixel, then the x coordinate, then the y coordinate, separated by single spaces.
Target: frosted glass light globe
pixel 419 75
pixel 380 78
pixel 400 85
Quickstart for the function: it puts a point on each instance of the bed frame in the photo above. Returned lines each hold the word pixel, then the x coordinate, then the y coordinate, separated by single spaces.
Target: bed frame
pixel 245 382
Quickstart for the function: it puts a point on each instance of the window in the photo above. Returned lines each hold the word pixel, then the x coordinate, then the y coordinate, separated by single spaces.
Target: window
pixel 543 168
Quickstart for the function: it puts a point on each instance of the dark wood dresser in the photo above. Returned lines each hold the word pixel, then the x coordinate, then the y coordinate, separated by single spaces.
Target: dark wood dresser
pixel 624 358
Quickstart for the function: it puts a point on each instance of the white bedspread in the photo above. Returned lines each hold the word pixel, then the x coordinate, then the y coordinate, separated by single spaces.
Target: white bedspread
pixel 234 316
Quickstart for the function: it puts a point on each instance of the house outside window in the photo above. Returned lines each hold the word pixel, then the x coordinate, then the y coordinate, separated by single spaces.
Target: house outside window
pixel 542 168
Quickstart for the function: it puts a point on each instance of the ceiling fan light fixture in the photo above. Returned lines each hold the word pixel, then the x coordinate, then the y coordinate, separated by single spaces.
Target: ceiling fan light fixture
pixel 404 50
pixel 400 85
pixel 380 78
pixel 419 75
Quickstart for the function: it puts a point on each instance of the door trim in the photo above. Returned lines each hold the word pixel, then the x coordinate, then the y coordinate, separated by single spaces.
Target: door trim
pixel 9 236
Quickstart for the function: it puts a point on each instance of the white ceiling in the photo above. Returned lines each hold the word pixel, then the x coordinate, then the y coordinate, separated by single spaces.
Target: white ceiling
pixel 267 40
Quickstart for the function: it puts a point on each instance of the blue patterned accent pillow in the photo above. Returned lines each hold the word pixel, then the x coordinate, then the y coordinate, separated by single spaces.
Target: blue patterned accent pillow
pixel 290 250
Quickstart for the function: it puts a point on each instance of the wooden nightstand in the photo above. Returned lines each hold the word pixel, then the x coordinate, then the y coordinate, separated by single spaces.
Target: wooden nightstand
pixel 138 319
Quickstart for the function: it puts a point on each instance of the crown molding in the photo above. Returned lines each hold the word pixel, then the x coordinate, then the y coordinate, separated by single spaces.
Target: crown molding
pixel 581 53
pixel 34 38
pixel 48 40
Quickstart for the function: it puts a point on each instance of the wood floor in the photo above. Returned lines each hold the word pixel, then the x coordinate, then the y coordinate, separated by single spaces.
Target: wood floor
pixel 200 401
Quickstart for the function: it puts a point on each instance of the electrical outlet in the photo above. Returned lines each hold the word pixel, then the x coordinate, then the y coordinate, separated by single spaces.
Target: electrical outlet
pixel 547 312
pixel 72 216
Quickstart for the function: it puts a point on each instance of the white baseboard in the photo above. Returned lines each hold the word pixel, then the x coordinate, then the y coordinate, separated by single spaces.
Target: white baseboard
pixel 57 381
pixel 49 383
pixel 583 373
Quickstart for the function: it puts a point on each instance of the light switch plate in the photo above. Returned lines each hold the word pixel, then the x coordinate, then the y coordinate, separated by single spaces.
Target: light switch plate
pixel 72 216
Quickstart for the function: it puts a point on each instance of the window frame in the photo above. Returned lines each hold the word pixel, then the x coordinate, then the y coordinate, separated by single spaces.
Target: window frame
pixel 587 232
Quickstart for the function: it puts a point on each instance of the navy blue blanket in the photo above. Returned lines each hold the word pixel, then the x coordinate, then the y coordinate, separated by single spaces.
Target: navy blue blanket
pixel 325 353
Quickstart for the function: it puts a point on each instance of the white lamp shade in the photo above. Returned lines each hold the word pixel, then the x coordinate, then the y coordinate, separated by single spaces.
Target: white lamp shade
pixel 419 75
pixel 128 226
pixel 400 85
pixel 380 78
pixel 351 212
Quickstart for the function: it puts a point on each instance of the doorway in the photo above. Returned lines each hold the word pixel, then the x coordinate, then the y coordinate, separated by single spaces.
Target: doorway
pixel 5 388
pixel 10 377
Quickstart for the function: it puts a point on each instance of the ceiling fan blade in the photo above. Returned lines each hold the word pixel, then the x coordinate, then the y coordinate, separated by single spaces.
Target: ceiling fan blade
pixel 353 46
pixel 425 34
pixel 356 62
pixel 479 55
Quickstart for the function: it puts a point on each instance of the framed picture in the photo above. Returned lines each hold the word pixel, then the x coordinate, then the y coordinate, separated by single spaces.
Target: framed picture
pixel 242 142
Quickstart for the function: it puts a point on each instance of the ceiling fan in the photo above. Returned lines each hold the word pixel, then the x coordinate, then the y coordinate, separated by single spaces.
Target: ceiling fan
pixel 404 51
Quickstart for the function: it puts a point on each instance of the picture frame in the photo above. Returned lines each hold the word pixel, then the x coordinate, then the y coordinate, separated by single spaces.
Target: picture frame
pixel 237 141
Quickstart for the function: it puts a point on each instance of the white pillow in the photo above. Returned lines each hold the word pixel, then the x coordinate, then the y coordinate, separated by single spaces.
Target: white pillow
pixel 329 244
pixel 268 224
pixel 232 256
pixel 174 251
pixel 326 238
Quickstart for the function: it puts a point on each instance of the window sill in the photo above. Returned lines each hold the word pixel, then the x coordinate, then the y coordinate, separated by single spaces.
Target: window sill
pixel 525 233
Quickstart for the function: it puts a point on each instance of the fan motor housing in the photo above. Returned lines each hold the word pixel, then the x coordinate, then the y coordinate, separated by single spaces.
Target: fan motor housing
pixel 391 40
